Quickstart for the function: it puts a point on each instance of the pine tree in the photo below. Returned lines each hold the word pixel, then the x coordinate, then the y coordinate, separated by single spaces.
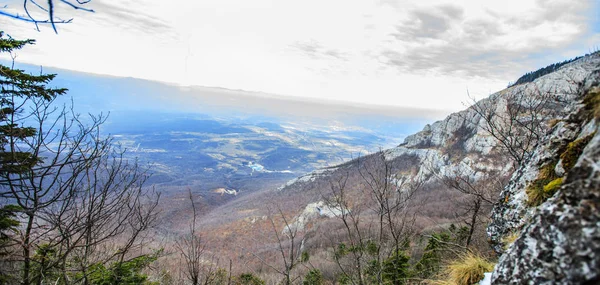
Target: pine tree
pixel 54 168
pixel 18 88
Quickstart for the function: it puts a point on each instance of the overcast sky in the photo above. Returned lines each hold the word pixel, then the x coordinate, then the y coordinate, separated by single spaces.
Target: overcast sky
pixel 424 54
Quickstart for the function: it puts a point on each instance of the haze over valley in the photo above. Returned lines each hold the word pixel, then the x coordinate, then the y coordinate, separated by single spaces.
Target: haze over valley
pixel 265 142
pixel 209 139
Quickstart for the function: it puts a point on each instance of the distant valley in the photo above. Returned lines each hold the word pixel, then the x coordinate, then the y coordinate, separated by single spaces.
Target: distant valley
pixel 224 143
pixel 206 153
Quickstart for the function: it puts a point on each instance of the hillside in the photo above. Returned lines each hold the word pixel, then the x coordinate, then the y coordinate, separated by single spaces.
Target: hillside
pixel 486 155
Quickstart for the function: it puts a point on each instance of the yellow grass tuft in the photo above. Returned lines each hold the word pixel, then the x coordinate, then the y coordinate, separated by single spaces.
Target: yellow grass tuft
pixel 468 269
pixel 439 282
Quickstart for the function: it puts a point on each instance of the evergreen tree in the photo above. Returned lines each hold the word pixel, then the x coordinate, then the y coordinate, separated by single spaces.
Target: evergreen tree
pixel 76 196
pixel 17 92
pixel 18 88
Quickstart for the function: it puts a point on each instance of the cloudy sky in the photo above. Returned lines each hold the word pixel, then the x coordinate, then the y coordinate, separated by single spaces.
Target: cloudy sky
pixel 424 54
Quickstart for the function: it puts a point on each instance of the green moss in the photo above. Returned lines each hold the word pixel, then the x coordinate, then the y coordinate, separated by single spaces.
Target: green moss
pixel 573 151
pixel 552 186
pixel 592 103
pixel 535 190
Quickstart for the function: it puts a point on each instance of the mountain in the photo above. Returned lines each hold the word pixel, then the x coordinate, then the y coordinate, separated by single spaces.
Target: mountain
pixel 541 135
pixel 335 190
pixel 557 241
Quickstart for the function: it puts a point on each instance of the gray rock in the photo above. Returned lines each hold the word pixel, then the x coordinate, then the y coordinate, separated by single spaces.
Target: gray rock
pixel 559 241
pixel 560 244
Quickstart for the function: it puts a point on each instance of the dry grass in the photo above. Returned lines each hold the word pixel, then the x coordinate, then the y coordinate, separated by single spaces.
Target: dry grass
pixel 509 239
pixel 439 282
pixel 592 103
pixel 535 190
pixel 468 269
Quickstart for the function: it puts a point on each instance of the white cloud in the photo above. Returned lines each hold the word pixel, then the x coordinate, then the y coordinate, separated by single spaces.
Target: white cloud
pixel 408 53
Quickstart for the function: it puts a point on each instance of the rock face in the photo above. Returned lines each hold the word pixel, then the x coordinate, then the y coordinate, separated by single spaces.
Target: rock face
pixel 558 242
pixel 460 143
pixel 557 237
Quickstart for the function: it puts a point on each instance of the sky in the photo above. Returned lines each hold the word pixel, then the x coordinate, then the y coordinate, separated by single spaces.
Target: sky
pixel 418 54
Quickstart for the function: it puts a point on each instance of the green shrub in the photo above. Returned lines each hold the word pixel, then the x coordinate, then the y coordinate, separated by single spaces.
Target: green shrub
pixel 249 279
pixel 313 277
pixel 395 268
pixel 429 264
pixel 127 272
pixel 344 279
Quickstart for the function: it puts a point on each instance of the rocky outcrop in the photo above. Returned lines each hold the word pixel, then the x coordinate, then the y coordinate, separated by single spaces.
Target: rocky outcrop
pixel 460 143
pixel 557 242
pixel 558 231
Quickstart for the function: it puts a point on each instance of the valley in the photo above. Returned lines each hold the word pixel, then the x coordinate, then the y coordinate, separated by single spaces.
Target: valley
pixel 299 142
pixel 289 188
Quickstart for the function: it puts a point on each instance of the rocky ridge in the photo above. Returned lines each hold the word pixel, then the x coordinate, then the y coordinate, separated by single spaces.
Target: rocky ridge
pixel 557 240
pixel 459 143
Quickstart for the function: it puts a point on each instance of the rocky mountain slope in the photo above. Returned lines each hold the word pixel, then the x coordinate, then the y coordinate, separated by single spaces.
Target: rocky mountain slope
pixel 461 142
pixel 557 228
pixel 557 241
pixel 528 154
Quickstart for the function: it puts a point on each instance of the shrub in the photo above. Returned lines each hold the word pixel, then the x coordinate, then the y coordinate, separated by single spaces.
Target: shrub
pixel 429 264
pixel 126 272
pixel 249 279
pixel 313 277
pixel 468 269
pixel 395 268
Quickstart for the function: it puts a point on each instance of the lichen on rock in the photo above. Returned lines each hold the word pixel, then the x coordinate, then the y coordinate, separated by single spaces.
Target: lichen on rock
pixel 558 241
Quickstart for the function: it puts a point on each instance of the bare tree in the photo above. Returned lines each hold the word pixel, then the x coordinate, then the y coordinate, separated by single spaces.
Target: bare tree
pixel 391 195
pixel 192 249
pixel 518 119
pixel 480 191
pixel 290 243
pixel 83 195
pixel 44 12
pixel 81 202
pixel 339 202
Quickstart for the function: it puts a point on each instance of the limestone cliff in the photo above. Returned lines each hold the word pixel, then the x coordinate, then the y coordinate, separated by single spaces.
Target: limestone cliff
pixel 551 205
pixel 557 242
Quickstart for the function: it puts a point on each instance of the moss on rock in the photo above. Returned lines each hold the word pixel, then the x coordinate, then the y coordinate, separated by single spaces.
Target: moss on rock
pixel 592 103
pixel 536 193
pixel 552 186
pixel 573 151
